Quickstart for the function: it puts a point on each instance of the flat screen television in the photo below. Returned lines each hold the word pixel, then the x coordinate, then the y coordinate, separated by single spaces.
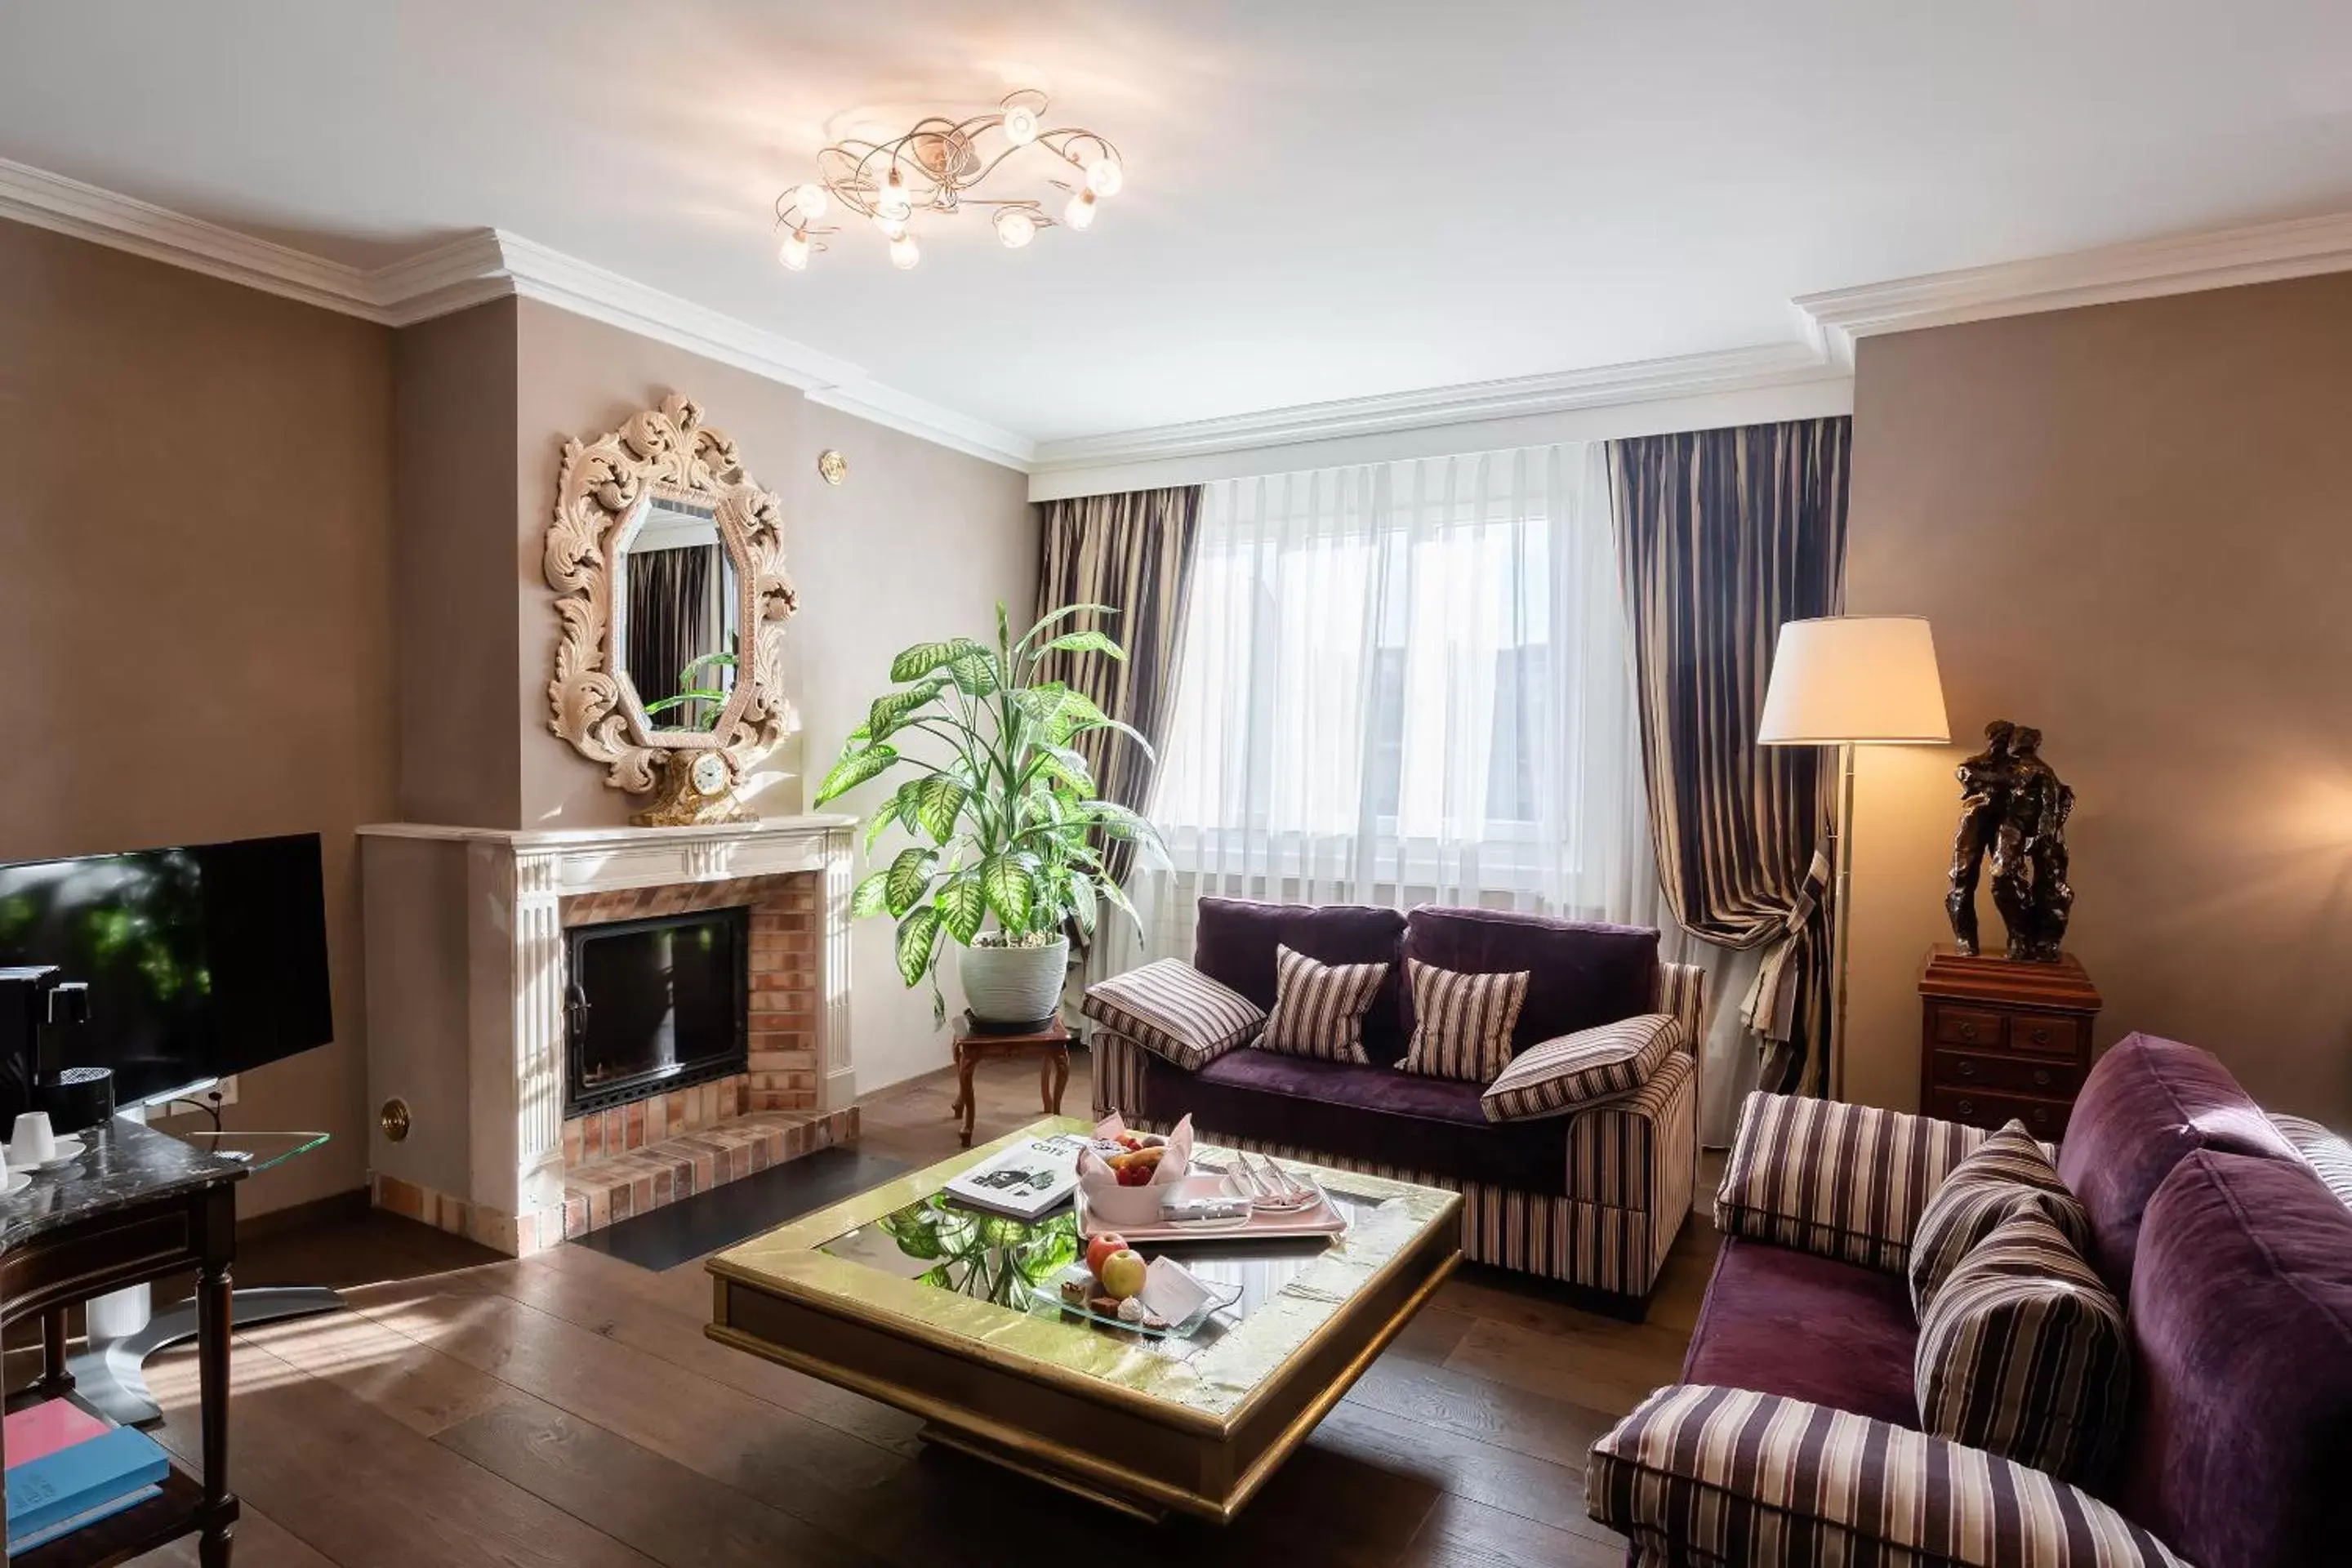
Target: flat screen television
pixel 202 961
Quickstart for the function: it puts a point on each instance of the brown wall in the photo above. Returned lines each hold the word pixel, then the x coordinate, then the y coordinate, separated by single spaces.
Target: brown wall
pixel 454 477
pixel 2132 527
pixel 921 543
pixel 195 538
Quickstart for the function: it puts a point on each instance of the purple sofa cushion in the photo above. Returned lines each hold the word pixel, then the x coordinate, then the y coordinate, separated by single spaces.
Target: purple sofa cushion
pixel 1580 976
pixel 1236 939
pixel 1374 1114
pixel 2240 1446
pixel 2147 1105
pixel 1777 1320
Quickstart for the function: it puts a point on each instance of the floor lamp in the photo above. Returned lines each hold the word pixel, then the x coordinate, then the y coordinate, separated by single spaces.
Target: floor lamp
pixel 1848 681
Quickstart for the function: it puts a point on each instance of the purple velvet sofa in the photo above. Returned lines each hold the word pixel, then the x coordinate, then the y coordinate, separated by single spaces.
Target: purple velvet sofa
pixel 1594 1198
pixel 2214 1223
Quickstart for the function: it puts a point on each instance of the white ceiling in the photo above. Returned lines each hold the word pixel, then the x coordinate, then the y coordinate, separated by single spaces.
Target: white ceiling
pixel 1325 200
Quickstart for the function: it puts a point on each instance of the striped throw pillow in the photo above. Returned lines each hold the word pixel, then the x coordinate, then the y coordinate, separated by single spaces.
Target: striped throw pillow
pixel 1318 1008
pixel 1830 1177
pixel 1566 1074
pixel 2008 1173
pixel 1172 1010
pixel 2322 1151
pixel 2022 1353
pixel 1462 1023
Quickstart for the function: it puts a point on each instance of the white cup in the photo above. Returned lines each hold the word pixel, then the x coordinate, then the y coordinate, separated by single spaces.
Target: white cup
pixel 32 1142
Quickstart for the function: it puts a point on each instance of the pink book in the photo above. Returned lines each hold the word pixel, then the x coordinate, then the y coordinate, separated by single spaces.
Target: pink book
pixel 45 1427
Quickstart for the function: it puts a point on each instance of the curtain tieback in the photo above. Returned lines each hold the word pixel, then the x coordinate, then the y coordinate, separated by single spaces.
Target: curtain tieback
pixel 1769 1008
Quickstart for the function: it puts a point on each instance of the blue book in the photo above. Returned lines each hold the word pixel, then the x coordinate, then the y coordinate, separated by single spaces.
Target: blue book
pixel 72 1485
pixel 68 1525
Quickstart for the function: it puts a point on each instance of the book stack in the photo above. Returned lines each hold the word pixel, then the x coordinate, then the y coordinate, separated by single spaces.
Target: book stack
pixel 68 1469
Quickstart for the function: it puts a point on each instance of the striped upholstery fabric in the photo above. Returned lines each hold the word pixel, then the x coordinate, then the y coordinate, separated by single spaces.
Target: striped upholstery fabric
pixel 1843 1181
pixel 1705 1476
pixel 2322 1151
pixel 2022 1353
pixel 1462 1024
pixel 1172 1008
pixel 2008 1173
pixel 1318 1008
pixel 1615 1149
pixel 1633 1163
pixel 1558 1076
pixel 1602 1246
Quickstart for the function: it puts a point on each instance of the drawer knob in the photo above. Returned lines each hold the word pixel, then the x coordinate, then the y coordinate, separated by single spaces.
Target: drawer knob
pixel 1966 1107
pixel 2041 1036
pixel 1967 1068
pixel 1967 1031
pixel 2041 1077
pixel 2040 1116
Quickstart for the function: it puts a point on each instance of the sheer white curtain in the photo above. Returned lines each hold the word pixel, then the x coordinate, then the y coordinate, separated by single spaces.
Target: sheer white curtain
pixel 1407 683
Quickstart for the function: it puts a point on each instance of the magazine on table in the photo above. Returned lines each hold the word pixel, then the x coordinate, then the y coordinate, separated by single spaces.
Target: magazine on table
pixel 1025 1180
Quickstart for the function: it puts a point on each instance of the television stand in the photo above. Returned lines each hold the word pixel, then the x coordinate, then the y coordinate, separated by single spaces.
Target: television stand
pixel 111 1378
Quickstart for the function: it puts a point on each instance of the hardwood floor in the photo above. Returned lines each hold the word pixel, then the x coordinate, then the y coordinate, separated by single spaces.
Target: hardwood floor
pixel 566 1409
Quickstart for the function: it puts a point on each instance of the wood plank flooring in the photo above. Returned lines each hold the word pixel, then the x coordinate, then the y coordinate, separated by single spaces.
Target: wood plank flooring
pixel 567 1410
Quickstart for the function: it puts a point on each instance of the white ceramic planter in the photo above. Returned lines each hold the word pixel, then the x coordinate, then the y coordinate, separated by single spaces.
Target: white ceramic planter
pixel 1013 985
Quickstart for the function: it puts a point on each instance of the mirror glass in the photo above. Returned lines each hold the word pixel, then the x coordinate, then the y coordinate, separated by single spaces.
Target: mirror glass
pixel 677 604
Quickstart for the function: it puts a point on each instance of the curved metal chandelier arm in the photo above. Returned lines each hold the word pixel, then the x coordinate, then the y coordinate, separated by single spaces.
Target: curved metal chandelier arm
pixel 938 166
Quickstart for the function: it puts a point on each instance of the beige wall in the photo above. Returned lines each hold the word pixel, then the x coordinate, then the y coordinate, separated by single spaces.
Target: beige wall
pixel 454 479
pixel 2132 527
pixel 194 539
pixel 922 542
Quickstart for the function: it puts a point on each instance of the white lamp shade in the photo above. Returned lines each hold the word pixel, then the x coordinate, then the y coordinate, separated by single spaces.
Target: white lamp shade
pixel 1859 678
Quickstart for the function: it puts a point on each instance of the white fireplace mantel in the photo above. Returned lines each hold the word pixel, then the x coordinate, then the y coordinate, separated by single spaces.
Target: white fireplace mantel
pixel 465 962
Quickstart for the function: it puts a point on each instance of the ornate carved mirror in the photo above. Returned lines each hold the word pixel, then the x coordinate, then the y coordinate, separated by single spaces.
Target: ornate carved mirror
pixel 668 564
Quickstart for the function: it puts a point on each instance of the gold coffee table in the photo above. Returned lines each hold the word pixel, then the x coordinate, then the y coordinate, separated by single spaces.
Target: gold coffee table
pixel 904 1297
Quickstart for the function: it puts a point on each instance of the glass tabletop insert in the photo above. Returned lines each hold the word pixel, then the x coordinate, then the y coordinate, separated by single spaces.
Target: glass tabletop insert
pixel 940 1243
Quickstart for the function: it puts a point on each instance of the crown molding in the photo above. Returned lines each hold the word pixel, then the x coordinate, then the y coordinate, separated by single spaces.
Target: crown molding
pixel 478 266
pixel 489 264
pixel 1684 375
pixel 2143 269
pixel 63 206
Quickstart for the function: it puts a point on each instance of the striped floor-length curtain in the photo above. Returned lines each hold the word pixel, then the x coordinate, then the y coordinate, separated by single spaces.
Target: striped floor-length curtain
pixel 1722 536
pixel 1135 552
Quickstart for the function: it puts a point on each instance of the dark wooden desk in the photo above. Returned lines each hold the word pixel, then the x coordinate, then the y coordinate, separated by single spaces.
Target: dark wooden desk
pixel 1051 1044
pixel 137 1207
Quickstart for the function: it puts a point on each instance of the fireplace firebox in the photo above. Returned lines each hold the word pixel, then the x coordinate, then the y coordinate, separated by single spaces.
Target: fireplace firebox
pixel 652 1006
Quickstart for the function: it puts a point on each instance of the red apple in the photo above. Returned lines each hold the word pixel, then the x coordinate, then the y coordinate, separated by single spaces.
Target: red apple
pixel 1122 1273
pixel 1101 1247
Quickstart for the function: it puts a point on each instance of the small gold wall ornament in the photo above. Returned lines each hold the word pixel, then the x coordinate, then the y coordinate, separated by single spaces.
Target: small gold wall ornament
pixel 394 1119
pixel 833 465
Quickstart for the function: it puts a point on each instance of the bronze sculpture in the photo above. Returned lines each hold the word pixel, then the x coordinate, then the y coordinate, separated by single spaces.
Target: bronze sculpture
pixel 2013 807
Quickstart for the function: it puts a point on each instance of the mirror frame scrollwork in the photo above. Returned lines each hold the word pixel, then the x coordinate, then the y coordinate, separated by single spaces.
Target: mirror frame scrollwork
pixel 602 492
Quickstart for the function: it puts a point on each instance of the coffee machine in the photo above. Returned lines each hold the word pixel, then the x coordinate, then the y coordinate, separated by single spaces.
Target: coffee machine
pixel 32 996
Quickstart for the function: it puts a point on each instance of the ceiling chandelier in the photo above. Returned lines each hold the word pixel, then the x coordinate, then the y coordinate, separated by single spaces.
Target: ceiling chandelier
pixel 938 167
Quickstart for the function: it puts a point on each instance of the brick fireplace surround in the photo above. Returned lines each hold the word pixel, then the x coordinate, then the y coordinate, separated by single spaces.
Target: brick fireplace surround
pixel 464 961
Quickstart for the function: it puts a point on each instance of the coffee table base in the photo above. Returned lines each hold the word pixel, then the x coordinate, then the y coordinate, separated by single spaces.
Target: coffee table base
pixel 1091 1449
pixel 961 1443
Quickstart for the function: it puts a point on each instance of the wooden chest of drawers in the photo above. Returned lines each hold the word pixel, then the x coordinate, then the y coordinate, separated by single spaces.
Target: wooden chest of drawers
pixel 2001 1040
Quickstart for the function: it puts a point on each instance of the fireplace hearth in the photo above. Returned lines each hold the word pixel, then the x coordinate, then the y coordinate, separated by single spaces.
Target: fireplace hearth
pixel 653 1006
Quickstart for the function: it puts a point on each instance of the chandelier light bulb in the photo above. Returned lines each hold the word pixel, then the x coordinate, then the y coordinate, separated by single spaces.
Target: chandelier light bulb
pixel 795 252
pixel 903 252
pixel 1015 227
pixel 1021 125
pixel 890 198
pixel 892 224
pixel 1080 213
pixel 812 201
pixel 1104 176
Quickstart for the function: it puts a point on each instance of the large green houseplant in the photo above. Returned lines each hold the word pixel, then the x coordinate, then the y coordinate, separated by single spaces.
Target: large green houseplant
pixel 1001 812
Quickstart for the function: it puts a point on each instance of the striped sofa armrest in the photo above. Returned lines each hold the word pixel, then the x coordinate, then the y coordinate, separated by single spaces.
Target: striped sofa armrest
pixel 1681 991
pixel 1843 1181
pixel 1705 1475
